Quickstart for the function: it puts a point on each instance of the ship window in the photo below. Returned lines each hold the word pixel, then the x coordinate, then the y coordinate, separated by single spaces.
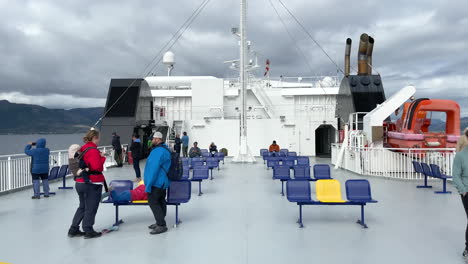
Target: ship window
pixel 435 121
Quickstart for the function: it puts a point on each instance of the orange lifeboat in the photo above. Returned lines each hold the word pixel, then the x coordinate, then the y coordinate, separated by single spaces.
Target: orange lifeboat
pixel 412 129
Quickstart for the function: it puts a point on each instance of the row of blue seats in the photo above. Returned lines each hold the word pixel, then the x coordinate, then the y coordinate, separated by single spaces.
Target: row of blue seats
pixel 179 192
pixel 281 153
pixel 290 161
pixel 58 172
pixel 358 192
pixel 212 162
pixel 283 173
pixel 298 189
pixel 433 171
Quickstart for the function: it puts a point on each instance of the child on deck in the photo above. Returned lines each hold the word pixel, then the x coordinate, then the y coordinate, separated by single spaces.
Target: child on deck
pixel 136 194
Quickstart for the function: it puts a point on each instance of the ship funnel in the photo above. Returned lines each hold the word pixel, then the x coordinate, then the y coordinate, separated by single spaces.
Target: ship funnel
pixel 346 58
pixel 370 48
pixel 362 55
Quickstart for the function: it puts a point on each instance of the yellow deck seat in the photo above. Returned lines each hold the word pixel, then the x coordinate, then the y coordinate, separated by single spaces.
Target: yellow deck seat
pixel 140 201
pixel 329 191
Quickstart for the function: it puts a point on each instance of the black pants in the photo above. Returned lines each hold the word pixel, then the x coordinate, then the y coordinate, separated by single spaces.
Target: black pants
pixel 90 197
pixel 157 203
pixel 184 151
pixel 465 204
pixel 136 167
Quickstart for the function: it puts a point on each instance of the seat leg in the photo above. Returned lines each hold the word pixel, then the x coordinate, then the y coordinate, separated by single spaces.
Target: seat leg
pixel 211 170
pixel 199 188
pixel 177 220
pixel 282 187
pixel 444 184
pixel 300 217
pixel 362 221
pixel 425 183
pixel 117 220
pixel 64 185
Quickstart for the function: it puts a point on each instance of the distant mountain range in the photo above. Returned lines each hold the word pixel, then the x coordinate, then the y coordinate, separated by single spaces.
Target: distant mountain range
pixel 29 119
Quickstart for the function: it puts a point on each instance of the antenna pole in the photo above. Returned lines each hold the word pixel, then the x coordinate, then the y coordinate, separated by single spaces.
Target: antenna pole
pixel 244 153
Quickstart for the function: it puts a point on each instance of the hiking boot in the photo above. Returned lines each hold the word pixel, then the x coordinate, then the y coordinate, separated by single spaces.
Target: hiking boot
pixel 158 230
pixel 93 234
pixel 36 197
pixel 77 233
pixel 153 226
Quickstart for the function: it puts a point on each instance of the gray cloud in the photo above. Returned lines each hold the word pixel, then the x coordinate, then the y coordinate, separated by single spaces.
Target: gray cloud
pixel 73 48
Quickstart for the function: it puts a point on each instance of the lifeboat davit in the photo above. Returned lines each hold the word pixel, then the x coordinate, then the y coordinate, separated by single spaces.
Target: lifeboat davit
pixel 412 129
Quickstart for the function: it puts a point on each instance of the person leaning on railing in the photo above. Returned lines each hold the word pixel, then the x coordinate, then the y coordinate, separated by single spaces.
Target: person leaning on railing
pixel 460 179
pixel 463 141
pixel 89 188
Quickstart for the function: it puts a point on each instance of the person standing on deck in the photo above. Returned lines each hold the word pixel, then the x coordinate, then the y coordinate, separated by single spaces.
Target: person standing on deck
pixel 136 149
pixel 156 182
pixel 117 149
pixel 463 140
pixel 177 144
pixel 185 144
pixel 89 188
pixel 460 179
pixel 39 166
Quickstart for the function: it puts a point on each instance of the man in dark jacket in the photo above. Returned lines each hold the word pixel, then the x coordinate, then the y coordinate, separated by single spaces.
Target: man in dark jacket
pixel 117 149
pixel 39 166
pixel 177 144
pixel 136 149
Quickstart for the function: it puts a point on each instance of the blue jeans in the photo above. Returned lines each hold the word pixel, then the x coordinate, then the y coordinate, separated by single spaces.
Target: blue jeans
pixel 37 184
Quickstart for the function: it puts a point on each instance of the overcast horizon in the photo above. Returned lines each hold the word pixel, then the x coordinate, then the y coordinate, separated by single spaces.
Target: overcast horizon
pixel 62 54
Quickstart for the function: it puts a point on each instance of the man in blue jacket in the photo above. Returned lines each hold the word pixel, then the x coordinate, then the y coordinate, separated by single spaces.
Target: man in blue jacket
pixel 156 182
pixel 39 166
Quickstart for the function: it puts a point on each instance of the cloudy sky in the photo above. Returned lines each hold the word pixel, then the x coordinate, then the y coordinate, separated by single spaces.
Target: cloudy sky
pixel 62 53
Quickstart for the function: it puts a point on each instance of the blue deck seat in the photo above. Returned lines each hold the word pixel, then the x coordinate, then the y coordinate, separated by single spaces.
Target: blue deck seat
pixel 282 173
pixel 359 191
pixel 197 163
pixel 179 192
pixel 302 160
pixel 322 171
pixel 206 154
pixel 418 169
pixel 263 151
pixel 272 162
pixel 186 162
pixel 292 154
pixel 204 151
pixel 200 173
pixel 289 161
pixel 185 173
pixel 220 156
pixel 298 191
pixel 302 172
pixel 437 174
pixel 53 173
pixel 284 152
pixel 212 163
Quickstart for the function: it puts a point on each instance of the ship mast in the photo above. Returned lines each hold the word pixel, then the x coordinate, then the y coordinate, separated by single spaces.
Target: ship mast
pixel 244 154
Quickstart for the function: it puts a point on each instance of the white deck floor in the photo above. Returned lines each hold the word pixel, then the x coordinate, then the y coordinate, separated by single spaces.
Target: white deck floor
pixel 242 218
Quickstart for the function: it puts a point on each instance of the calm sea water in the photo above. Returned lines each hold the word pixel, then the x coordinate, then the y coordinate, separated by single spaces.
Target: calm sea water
pixel 14 144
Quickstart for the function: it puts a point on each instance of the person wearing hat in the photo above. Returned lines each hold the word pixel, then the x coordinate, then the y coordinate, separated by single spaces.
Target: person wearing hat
pixel 117 149
pixel 157 182
pixel 39 166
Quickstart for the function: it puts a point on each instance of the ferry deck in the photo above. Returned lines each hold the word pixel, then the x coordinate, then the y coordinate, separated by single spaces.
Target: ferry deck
pixel 242 218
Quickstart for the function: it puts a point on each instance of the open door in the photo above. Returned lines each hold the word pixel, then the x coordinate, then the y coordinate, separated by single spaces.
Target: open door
pixel 324 137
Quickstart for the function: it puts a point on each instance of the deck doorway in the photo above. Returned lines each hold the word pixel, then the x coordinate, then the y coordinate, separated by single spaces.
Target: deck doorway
pixel 324 137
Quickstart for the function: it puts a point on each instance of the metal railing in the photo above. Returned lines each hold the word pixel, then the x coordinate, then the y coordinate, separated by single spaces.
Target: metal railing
pixel 393 162
pixel 15 170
